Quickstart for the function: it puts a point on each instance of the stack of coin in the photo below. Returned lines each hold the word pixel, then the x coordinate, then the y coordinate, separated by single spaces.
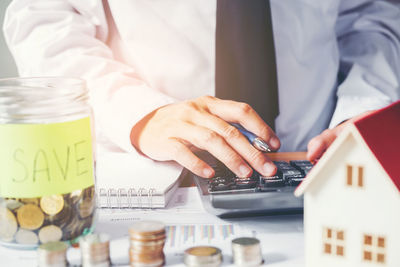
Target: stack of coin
pixel 52 254
pixel 31 221
pixel 202 256
pixel 147 239
pixel 95 250
pixel 246 251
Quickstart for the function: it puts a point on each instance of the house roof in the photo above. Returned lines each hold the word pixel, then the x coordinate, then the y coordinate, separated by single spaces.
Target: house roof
pixel 380 131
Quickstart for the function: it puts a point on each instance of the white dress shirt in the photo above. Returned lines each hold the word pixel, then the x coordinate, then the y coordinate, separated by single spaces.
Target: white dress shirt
pixel 138 55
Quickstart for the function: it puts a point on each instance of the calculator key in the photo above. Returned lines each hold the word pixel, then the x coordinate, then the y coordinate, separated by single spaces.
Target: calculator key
pixel 295 181
pixel 281 163
pixel 268 182
pixel 288 174
pixel 220 187
pixel 272 181
pixel 245 183
pixel 302 165
pixel 219 180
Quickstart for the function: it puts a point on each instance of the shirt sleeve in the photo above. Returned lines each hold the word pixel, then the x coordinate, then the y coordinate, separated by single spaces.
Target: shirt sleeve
pixel 369 46
pixel 68 38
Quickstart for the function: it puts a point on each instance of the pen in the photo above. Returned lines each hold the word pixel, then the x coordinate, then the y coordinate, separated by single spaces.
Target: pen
pixel 256 141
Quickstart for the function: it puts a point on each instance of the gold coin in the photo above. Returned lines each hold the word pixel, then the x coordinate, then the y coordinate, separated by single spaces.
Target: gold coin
pixel 52 204
pixel 30 217
pixel 8 224
pixel 202 251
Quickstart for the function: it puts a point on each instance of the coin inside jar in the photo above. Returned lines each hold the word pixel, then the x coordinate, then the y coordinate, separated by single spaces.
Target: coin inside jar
pixel 26 237
pixel 8 224
pixel 52 205
pixel 34 201
pixel 50 233
pixel 30 217
pixel 86 207
pixel 75 196
pixel 13 204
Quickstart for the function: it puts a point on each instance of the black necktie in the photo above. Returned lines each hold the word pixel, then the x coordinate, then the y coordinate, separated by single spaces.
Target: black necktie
pixel 245 68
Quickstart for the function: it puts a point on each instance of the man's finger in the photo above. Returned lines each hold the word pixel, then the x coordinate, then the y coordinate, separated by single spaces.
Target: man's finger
pixel 211 141
pixel 245 115
pixel 319 144
pixel 185 157
pixel 258 160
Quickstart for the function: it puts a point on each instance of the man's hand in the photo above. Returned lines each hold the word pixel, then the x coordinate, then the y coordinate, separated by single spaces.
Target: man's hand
pixel 319 144
pixel 168 132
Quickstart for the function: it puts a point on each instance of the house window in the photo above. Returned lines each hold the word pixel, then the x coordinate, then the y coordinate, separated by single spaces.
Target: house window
pixel 333 242
pixel 354 175
pixel 374 249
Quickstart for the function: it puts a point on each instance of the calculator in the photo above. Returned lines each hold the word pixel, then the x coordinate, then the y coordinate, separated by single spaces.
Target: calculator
pixel 227 195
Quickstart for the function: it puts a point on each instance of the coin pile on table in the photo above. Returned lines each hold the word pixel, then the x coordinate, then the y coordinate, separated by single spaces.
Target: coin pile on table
pixel 52 254
pixel 147 239
pixel 246 252
pixel 95 250
pixel 202 256
pixel 30 221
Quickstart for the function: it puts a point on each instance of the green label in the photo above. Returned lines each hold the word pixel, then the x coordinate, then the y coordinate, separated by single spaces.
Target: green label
pixel 45 159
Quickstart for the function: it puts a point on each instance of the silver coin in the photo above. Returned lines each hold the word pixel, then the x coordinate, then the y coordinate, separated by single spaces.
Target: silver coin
pixel 75 196
pixel 26 237
pixel 246 251
pixel 156 263
pixel 95 249
pixel 52 254
pixel 204 256
pixel 13 204
pixel 50 233
pixel 246 241
pixel 8 225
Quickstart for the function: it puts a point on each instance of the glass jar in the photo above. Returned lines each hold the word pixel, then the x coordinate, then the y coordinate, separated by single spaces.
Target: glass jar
pixel 46 161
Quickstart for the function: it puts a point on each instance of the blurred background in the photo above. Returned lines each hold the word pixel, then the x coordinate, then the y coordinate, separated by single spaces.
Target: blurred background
pixel 7 65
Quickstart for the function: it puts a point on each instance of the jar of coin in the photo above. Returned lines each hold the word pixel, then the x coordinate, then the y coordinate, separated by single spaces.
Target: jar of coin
pixel 46 160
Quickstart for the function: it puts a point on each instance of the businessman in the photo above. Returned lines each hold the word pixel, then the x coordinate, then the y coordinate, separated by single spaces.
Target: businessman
pixel 292 72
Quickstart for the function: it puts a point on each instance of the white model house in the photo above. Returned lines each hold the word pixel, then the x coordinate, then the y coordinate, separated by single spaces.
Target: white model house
pixel 352 196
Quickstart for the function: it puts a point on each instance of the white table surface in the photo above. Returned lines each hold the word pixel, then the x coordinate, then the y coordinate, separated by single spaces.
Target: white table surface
pixel 281 238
